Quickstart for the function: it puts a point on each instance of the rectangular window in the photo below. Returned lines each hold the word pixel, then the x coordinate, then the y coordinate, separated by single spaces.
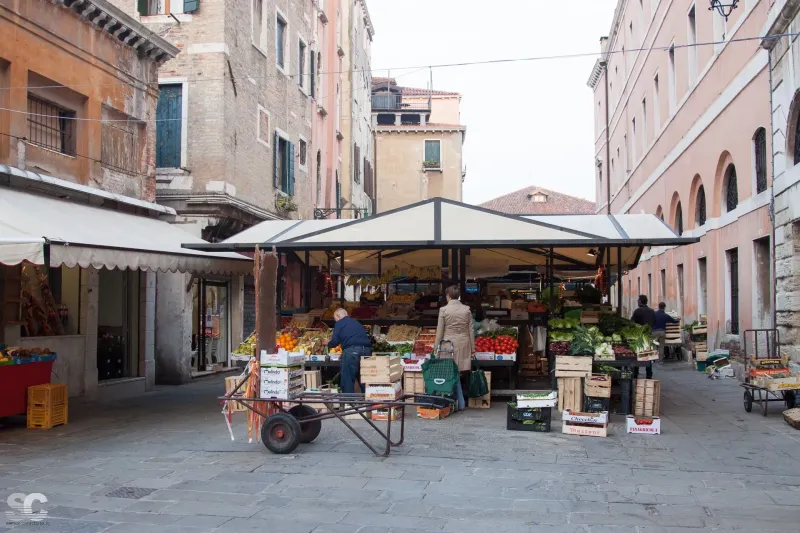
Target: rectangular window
pixel 663 294
pixel 433 154
pixel 356 163
pixel 302 155
pixel 650 286
pixel 280 41
pixel 259 27
pixel 120 141
pixel 633 142
pixel 733 290
pixel 165 7
pixel 692 49
pixel 671 74
pixel 627 153
pixel 264 129
pixel 51 126
pixel 599 121
pixel 656 104
pixel 702 286
pixel 301 64
pixel 680 290
pixel 169 126
pixel 284 165
pixel 644 125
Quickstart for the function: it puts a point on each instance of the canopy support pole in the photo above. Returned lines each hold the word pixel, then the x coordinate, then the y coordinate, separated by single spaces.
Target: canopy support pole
pixel 341 280
pixel 454 275
pixel 607 275
pixel 551 300
pixel 462 274
pixel 619 281
pixel 445 265
pixel 307 282
pixel 279 288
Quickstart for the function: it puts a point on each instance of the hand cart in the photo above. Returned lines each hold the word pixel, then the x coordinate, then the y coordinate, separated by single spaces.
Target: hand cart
pixel 288 423
pixel 755 393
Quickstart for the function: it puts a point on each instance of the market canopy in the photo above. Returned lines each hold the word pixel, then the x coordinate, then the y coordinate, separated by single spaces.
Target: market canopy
pixel 415 235
pixel 85 235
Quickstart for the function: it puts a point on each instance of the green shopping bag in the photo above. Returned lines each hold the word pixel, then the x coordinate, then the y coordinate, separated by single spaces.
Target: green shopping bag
pixel 477 385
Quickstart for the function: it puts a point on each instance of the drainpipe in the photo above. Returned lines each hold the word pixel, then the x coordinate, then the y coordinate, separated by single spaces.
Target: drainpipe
pixel 608 145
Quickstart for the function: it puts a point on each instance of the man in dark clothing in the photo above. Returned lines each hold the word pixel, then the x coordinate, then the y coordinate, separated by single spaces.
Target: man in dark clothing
pixel 351 335
pixel 660 328
pixel 644 316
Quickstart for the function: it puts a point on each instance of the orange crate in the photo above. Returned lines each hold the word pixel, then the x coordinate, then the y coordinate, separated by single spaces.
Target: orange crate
pixel 44 418
pixel 47 395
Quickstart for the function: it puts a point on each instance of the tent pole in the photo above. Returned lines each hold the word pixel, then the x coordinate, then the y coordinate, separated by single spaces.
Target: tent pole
pixel 619 281
pixel 608 275
pixel 550 279
pixel 307 281
pixel 462 274
pixel 445 264
pixel 454 273
pixel 341 280
pixel 279 289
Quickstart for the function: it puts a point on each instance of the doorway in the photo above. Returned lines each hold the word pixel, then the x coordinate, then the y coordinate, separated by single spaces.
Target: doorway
pixel 117 324
pixel 211 324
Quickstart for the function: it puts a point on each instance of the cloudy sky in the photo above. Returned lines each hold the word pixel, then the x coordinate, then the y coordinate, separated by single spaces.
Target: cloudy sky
pixel 528 123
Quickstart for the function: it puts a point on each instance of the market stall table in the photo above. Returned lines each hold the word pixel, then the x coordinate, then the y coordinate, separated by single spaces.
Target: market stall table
pixel 15 381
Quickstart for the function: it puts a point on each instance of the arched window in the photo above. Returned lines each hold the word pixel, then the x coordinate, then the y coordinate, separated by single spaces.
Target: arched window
pixel 700 216
pixel 679 219
pixel 760 147
pixel 730 189
pixel 319 178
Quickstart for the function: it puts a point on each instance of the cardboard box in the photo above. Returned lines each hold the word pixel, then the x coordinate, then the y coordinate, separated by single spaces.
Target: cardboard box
pixel 537 399
pixel 388 413
pixel 485 356
pixel 280 392
pixel 282 374
pixel 643 425
pixel 381 370
pixel 282 358
pixel 391 391
pixel 577 417
pixel 586 431
pixel 413 365
pixel 315 357
pixel 505 356
pixel 433 414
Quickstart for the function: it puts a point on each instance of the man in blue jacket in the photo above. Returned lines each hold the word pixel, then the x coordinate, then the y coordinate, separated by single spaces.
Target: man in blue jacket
pixel 351 335
pixel 660 328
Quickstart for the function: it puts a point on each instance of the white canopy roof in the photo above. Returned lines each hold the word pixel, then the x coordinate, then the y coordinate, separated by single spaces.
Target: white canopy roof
pixel 86 235
pixel 415 235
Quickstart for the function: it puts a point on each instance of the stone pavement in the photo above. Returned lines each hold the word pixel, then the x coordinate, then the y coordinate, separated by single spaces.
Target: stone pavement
pixel 165 463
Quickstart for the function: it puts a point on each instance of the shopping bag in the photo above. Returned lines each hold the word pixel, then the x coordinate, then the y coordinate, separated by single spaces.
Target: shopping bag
pixel 477 383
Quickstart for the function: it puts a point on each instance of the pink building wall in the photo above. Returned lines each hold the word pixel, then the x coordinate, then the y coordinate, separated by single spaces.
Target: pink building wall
pixel 674 147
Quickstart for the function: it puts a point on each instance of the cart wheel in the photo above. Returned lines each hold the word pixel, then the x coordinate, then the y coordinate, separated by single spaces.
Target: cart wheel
pixel 308 430
pixel 790 399
pixel 748 401
pixel 281 433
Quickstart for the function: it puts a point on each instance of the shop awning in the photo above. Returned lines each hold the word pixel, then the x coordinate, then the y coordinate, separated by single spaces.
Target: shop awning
pixel 85 235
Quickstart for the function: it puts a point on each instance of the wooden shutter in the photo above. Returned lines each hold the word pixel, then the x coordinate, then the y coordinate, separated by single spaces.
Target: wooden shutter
pixel 275 150
pixel 141 7
pixel 190 6
pixel 313 72
pixel 291 169
pixel 169 109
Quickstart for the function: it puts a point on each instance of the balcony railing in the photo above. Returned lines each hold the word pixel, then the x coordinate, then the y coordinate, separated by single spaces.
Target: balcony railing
pixel 395 103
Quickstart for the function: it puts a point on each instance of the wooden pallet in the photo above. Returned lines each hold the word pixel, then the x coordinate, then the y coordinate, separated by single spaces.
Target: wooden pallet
pixel 570 394
pixel 647 397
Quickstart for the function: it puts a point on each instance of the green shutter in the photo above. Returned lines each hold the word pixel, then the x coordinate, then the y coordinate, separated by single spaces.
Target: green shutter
pixel 190 6
pixel 433 151
pixel 141 7
pixel 291 170
pixel 313 71
pixel 276 180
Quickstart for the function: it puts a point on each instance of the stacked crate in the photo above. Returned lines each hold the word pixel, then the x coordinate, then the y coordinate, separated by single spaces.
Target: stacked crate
pixel 528 418
pixel 281 375
pixel 533 365
pixel 570 372
pixel 586 424
pixel 700 344
pixel 382 377
pixel 597 393
pixel 647 398
pixel 47 406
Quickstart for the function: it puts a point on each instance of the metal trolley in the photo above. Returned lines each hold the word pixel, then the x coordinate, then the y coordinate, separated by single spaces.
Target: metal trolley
pixel 754 393
pixel 288 423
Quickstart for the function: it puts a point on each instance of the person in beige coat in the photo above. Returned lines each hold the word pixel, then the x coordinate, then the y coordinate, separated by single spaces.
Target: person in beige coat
pixel 455 325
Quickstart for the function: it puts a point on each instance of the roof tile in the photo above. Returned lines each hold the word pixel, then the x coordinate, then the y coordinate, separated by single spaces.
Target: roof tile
pixel 521 203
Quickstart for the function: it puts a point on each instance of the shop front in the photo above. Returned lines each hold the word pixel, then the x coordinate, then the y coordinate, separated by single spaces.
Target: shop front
pixel 85 286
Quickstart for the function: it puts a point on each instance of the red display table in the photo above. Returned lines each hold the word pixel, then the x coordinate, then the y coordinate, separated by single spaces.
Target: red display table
pixel 14 383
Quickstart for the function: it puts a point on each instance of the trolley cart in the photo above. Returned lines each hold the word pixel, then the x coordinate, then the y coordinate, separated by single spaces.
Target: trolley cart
pixel 755 393
pixel 288 423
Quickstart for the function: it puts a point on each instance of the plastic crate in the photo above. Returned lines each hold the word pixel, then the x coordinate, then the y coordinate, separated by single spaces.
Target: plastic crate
pixel 596 405
pixel 541 426
pixel 47 395
pixel 521 414
pixel 44 418
pixel 701 365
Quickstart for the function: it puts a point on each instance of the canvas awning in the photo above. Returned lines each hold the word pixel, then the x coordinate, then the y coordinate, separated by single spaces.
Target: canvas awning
pixel 416 234
pixel 89 236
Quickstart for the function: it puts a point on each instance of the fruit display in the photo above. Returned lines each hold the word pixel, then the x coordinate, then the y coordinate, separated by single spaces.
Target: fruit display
pixel 314 342
pixel 287 341
pixel 15 355
pixel 502 344
pixel 248 346
pixel 336 349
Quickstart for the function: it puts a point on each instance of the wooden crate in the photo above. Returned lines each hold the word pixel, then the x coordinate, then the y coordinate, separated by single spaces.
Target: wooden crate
pixel 701 356
pixel 649 355
pixel 570 394
pixel 597 386
pixel 381 369
pixel 571 366
pixel 647 397
pixel 230 384
pixel 485 401
pixel 584 430
pixel 413 383
pixel 313 379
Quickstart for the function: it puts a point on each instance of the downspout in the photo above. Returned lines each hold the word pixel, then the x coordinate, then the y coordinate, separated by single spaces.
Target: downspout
pixel 608 145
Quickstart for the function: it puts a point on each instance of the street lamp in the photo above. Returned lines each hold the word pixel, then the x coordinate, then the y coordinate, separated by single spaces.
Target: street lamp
pixel 724 9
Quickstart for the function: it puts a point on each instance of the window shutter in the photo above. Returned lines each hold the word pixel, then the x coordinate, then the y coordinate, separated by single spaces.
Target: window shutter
pixel 141 7
pixel 190 6
pixel 291 169
pixel 313 72
pixel 276 178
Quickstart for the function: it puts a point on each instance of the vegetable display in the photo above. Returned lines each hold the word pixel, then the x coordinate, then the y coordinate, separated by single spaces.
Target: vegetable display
pixel 502 344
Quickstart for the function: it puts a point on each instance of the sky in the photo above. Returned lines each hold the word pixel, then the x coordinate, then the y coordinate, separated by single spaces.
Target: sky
pixel 528 123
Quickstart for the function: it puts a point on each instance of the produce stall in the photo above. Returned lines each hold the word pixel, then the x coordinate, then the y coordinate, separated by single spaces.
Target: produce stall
pixel 21 368
pixel 393 268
